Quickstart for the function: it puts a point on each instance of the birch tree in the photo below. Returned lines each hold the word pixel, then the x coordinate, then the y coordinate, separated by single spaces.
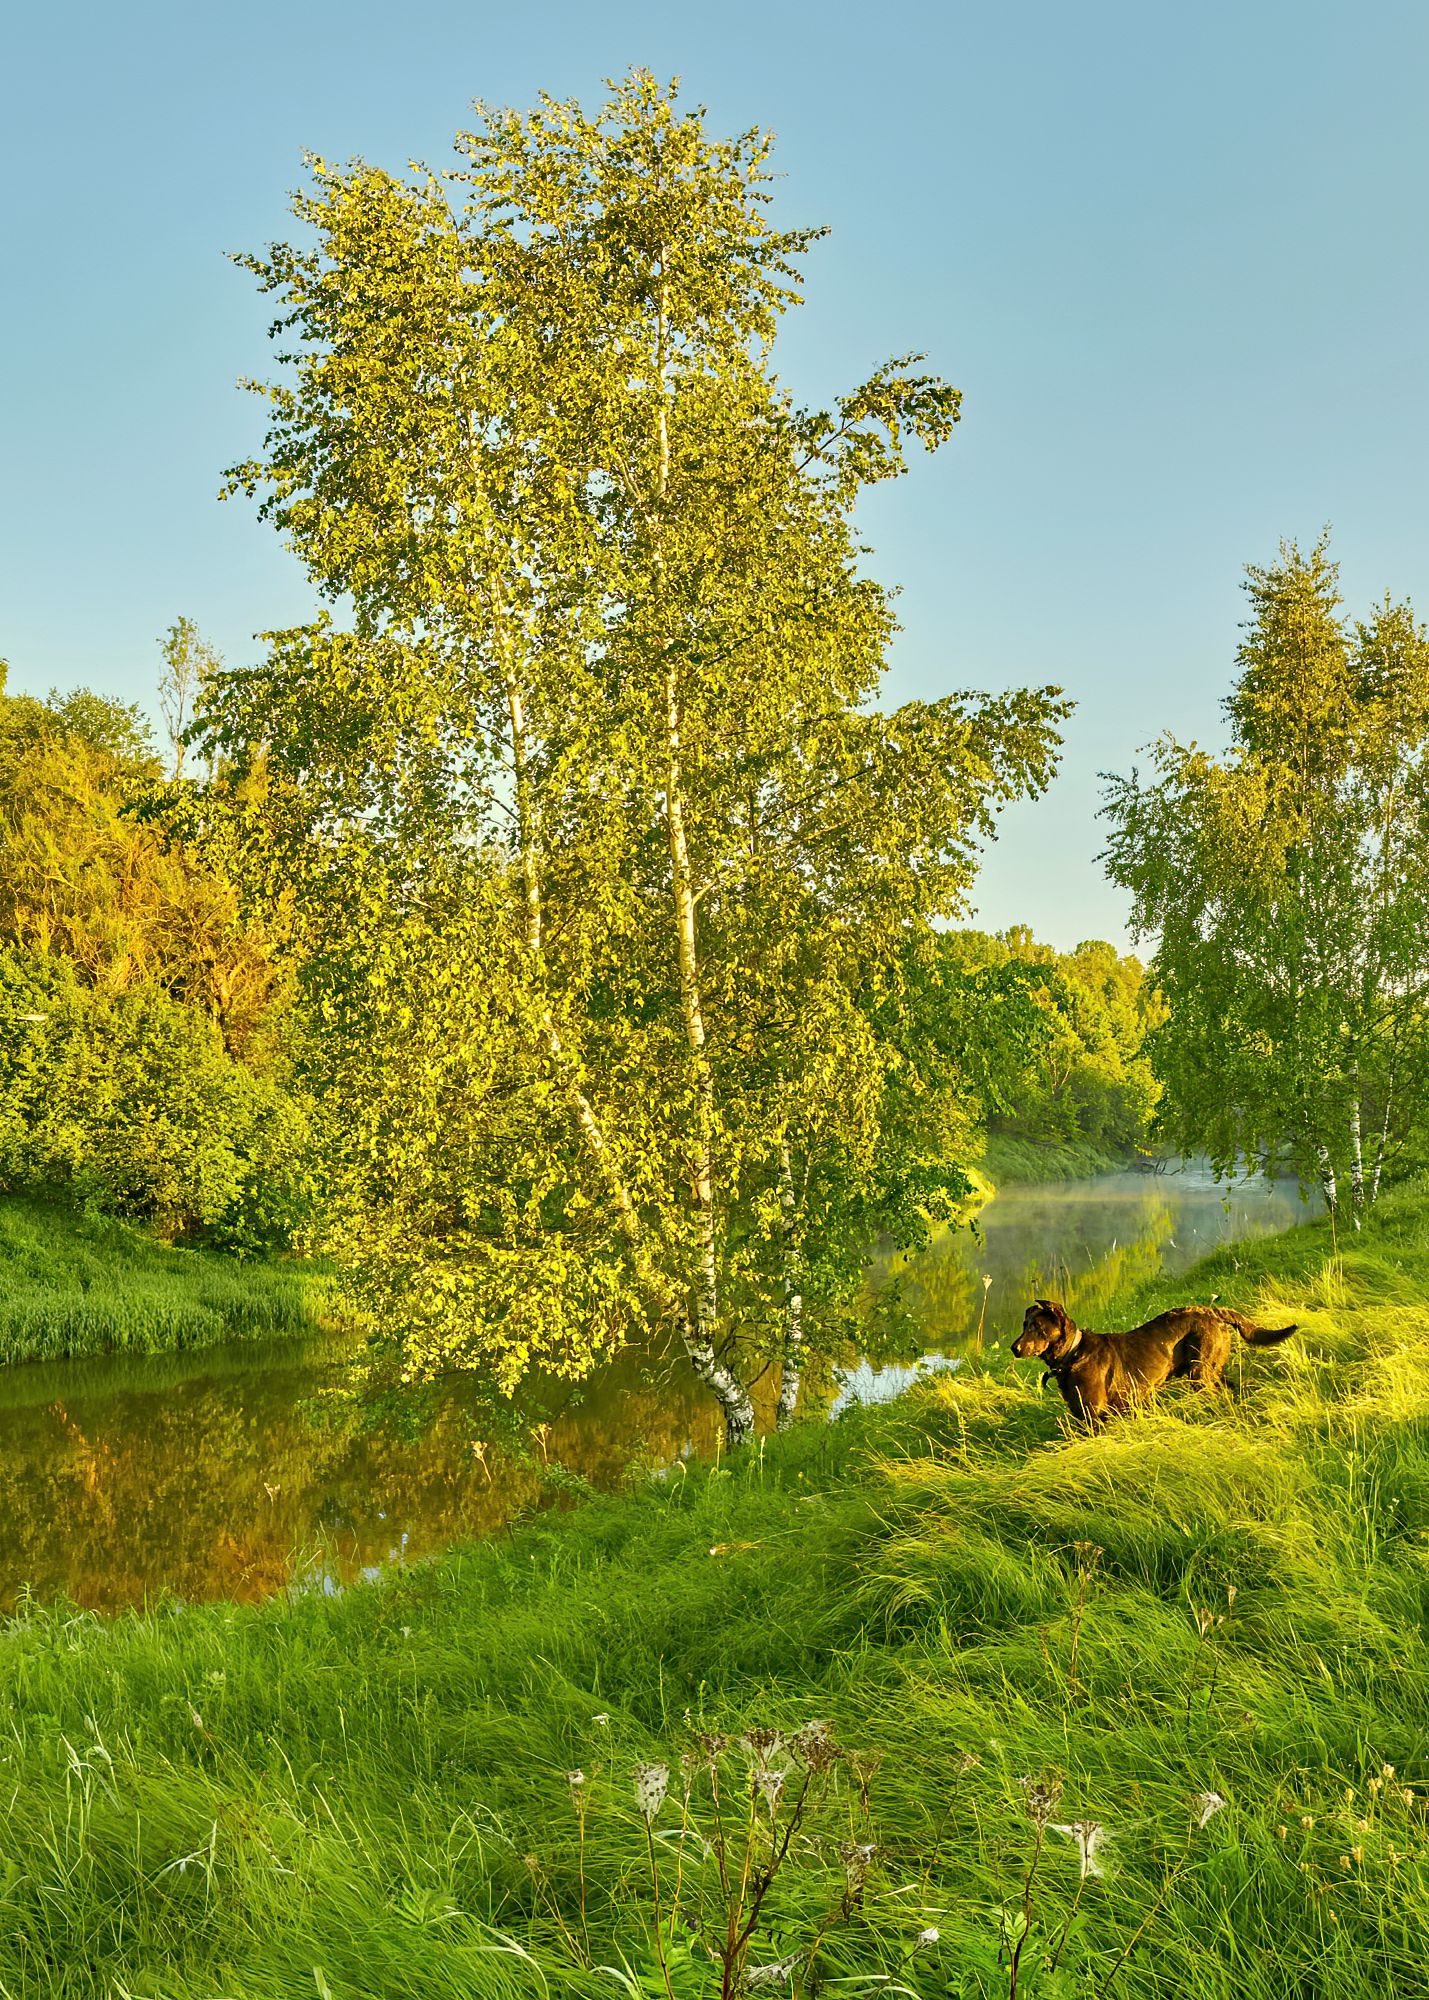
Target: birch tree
pixel 1287 884
pixel 609 866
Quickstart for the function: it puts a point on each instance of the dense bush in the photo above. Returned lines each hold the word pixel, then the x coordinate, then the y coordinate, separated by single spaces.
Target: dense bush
pixel 130 1102
pixel 143 1069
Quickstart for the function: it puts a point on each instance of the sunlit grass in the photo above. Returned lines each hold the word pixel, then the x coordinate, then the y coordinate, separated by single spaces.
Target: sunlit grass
pixel 1214 1601
pixel 73 1285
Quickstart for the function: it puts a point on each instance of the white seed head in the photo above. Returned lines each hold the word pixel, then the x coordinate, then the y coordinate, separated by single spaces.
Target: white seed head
pixel 1206 1805
pixel 1090 1837
pixel 770 1786
pixel 600 1721
pixel 926 1938
pixel 652 1781
pixel 779 1973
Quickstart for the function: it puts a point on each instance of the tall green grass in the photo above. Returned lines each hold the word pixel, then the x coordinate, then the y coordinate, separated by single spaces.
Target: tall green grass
pixel 74 1285
pixel 1008 1161
pixel 368 1794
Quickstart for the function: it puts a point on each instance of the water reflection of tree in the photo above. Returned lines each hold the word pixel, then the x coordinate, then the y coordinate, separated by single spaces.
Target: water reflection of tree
pixel 224 1485
pixel 1082 1253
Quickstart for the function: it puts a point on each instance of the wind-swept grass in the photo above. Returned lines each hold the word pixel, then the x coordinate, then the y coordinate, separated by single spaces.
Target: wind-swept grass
pixel 1133 1715
pixel 75 1285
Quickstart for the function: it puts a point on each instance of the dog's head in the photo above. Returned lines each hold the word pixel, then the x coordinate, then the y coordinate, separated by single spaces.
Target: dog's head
pixel 1046 1332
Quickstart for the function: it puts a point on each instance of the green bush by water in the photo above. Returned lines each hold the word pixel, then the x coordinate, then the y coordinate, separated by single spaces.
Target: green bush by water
pixel 71 1285
pixel 1202 1633
pixel 1008 1161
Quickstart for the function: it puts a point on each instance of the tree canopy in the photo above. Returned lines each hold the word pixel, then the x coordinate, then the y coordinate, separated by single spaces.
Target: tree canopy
pixel 1287 884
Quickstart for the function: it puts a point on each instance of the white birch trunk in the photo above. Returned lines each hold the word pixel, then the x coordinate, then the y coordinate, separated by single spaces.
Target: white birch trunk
pixel 792 1368
pixel 1357 1201
pixel 1328 1183
pixel 1380 1147
pixel 702 1322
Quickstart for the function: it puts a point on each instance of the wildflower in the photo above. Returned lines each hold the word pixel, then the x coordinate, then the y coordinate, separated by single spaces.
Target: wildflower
pixel 1307 1820
pixel 814 1745
pixel 710 1746
pixel 1407 1796
pixel 1089 1836
pixel 1357 1854
pixel 575 1779
pixel 652 1781
pixel 926 1939
pixel 1041 1796
pixel 1344 1861
pixel 1386 1770
pixel 601 1721
pixel 1206 1805
pixel 762 1743
pixel 1375 1785
pixel 1281 1832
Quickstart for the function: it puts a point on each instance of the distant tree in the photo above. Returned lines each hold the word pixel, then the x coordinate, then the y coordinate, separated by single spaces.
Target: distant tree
pixel 1288 887
pixel 190 663
pixel 1052 1045
pixel 607 868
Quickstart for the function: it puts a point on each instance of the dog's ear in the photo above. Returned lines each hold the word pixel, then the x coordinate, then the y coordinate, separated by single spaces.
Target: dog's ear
pixel 1047 1305
pixel 1060 1314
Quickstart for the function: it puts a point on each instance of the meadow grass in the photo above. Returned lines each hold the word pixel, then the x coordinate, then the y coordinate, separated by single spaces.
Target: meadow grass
pixel 77 1285
pixel 1142 1714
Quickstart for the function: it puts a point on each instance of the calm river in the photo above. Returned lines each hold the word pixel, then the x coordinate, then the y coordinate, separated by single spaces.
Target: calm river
pixel 220 1475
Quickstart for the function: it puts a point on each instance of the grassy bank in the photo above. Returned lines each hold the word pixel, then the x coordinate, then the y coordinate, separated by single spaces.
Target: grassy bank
pixel 369 1795
pixel 71 1285
pixel 1009 1160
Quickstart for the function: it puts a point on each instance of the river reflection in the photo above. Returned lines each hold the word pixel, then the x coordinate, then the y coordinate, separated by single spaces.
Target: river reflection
pixel 225 1475
pixel 1083 1242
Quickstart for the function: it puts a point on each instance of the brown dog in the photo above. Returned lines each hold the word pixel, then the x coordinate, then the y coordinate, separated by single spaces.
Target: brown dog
pixel 1102 1373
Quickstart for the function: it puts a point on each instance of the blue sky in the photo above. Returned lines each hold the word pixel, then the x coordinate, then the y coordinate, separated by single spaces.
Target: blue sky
pixel 1173 256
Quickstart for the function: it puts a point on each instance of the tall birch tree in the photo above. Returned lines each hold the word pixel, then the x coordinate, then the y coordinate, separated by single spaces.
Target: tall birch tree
pixel 1287 884
pixel 609 866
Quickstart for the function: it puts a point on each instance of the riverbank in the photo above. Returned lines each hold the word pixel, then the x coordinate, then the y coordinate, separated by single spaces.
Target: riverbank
pixel 1009 1162
pixel 369 1795
pixel 74 1285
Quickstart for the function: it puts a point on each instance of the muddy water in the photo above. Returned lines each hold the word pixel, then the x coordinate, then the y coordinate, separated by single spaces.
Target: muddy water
pixel 235 1474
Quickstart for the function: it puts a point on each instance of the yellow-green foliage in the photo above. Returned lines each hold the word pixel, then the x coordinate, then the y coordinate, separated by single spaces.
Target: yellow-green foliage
pixel 1213 1612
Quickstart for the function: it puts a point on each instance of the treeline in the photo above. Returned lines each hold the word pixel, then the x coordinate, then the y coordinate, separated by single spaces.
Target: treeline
pixel 146 1060
pixel 1052 1044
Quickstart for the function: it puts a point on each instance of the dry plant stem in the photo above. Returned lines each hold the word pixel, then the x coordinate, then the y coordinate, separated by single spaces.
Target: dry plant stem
pixel 1067 1924
pixel 1026 1913
pixel 659 1920
pixel 765 1877
pixel 1162 1893
pixel 1083 1584
pixel 680 1856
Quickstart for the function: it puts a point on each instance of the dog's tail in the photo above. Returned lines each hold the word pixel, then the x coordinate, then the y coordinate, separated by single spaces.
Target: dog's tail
pixel 1256 1336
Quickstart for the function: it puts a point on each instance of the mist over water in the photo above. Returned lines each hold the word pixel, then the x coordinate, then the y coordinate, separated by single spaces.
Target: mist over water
pixel 232 1474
